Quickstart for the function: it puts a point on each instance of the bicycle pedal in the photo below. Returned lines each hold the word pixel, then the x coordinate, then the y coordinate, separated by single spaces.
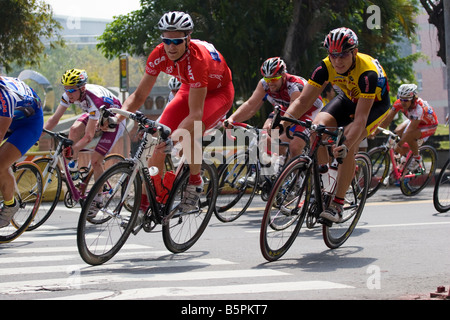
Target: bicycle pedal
pixel 326 222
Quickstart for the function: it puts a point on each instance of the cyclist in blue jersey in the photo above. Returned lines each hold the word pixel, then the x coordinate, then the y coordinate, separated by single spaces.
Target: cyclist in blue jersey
pixel 21 122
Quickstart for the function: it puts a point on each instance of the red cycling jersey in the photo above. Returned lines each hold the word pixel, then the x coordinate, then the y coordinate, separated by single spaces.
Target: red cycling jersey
pixel 282 97
pixel 201 66
pixel 420 111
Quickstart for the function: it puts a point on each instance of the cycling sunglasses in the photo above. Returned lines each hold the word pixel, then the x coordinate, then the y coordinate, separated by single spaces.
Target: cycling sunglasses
pixel 341 55
pixel 273 79
pixel 175 41
pixel 71 90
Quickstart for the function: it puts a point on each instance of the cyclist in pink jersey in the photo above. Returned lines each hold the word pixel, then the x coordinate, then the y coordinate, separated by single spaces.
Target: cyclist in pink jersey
pixel 421 121
pixel 279 88
pixel 205 96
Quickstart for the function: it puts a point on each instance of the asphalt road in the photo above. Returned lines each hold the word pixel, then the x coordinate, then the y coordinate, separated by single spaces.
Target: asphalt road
pixel 398 251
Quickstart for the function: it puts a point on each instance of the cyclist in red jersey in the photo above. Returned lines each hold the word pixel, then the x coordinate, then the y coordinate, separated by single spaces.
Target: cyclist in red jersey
pixel 205 96
pixel 279 88
pixel 421 121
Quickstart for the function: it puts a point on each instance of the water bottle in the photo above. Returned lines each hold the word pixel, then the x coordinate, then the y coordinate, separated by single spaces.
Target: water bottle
pixel 73 169
pixel 332 172
pixel 324 176
pixel 279 163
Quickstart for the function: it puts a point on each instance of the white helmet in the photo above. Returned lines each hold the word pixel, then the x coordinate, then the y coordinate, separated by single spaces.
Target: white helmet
pixel 174 84
pixel 407 91
pixel 176 21
pixel 272 67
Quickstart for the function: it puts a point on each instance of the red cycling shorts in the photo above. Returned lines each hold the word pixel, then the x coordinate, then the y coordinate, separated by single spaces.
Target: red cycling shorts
pixel 217 104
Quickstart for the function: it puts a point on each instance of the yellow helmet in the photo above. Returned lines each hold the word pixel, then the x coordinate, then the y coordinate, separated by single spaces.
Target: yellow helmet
pixel 74 77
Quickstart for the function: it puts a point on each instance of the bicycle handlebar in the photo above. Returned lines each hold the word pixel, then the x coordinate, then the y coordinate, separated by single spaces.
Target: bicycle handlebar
pixel 339 134
pixel 389 133
pixel 139 117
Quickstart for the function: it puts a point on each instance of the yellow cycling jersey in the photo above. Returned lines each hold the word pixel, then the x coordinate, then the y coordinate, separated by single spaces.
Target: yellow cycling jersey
pixel 366 79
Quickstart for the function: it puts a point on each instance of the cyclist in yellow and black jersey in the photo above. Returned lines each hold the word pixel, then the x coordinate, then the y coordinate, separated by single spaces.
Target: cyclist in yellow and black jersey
pixel 361 105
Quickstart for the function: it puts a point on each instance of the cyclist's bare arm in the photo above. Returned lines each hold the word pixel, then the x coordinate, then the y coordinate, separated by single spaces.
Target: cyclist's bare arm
pixel 389 118
pixel 87 137
pixel 249 108
pixel 303 103
pixel 54 119
pixel 137 98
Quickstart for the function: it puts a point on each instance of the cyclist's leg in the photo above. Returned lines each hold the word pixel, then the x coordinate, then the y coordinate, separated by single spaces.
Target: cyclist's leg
pixel 105 144
pixel 78 128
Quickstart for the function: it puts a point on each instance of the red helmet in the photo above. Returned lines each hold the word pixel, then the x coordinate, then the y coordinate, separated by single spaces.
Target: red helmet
pixel 340 40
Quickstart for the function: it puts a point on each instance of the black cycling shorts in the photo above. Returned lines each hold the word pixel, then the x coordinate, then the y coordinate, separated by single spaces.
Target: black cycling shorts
pixel 343 110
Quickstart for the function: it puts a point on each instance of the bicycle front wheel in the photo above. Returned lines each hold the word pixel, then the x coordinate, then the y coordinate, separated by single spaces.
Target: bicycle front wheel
pixel 99 242
pixel 29 195
pixel 285 210
pixel 380 161
pixel 412 182
pixel 237 186
pixel 441 194
pixel 52 182
pixel 336 234
pixel 182 230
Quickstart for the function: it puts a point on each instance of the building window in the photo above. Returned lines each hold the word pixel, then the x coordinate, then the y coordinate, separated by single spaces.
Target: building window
pixel 419 81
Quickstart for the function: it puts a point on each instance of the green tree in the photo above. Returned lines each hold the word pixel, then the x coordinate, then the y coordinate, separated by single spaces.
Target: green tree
pixel 248 32
pixel 24 24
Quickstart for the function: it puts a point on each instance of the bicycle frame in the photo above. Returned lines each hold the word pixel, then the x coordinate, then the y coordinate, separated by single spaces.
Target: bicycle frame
pixel 57 158
pixel 396 171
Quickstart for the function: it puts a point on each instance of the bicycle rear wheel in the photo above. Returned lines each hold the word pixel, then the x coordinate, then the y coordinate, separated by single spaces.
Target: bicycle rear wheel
pixel 441 194
pixel 29 195
pixel 285 211
pixel 380 161
pixel 236 192
pixel 336 234
pixel 411 183
pixel 182 230
pixel 52 182
pixel 99 242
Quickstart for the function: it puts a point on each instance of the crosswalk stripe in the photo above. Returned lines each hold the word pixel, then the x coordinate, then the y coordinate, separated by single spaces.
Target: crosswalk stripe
pixel 79 280
pixel 55 249
pixel 147 265
pixel 171 292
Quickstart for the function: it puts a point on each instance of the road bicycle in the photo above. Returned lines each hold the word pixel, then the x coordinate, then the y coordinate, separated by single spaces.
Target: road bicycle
pixel 441 192
pixel 28 192
pixel 410 182
pixel 121 188
pixel 55 171
pixel 298 193
pixel 244 174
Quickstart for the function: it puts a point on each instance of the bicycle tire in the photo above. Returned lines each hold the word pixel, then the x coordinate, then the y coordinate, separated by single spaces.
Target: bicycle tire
pixel 51 194
pixel 29 183
pixel 338 233
pixel 285 210
pixel 98 243
pixel 235 192
pixel 380 166
pixel 411 183
pixel 441 193
pixel 194 223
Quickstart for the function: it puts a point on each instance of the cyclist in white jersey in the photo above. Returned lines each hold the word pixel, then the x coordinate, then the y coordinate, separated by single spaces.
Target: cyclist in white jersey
pixel 89 98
